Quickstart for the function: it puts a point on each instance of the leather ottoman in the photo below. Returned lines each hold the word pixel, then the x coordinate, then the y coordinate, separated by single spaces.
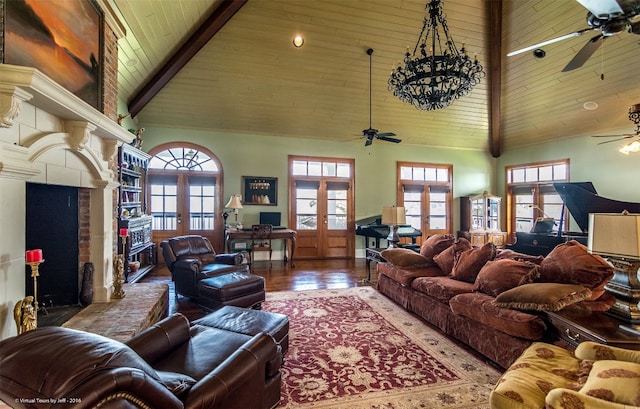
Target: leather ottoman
pixel 250 322
pixel 238 289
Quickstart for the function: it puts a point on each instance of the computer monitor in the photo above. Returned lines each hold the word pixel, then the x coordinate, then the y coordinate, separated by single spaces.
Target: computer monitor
pixel 272 218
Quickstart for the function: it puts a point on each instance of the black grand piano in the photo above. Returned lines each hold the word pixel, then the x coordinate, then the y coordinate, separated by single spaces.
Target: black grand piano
pixel 580 198
pixel 372 228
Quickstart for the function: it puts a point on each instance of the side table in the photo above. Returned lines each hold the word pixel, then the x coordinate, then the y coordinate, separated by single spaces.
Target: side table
pixel 372 254
pixel 575 326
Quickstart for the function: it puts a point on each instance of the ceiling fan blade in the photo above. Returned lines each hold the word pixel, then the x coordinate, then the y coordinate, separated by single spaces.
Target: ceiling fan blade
pixel 388 139
pixel 547 42
pixel 624 136
pixel 584 54
pixel 614 140
pixel 386 134
pixel 601 8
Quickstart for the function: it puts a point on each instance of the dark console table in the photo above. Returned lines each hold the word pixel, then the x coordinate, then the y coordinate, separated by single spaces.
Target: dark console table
pixel 574 326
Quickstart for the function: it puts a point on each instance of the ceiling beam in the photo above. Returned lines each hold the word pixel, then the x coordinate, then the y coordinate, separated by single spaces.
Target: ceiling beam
pixel 218 18
pixel 494 9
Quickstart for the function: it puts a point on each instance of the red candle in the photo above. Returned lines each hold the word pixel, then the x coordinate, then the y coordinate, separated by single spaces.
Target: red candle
pixel 37 255
pixel 34 256
pixel 124 232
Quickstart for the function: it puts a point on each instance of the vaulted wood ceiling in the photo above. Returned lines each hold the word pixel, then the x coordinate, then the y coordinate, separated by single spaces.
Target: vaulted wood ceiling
pixel 250 79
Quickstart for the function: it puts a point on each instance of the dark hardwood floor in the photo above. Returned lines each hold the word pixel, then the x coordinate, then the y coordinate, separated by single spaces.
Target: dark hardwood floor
pixel 306 275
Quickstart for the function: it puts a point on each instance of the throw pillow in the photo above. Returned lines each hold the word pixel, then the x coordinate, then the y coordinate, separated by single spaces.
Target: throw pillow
pixel 498 276
pixel 405 258
pixel 514 255
pixel 571 263
pixel 447 258
pixel 542 296
pixel 435 244
pixel 614 381
pixel 471 262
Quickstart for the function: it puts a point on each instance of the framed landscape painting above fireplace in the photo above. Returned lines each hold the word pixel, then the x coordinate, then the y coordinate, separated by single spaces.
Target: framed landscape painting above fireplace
pixel 62 39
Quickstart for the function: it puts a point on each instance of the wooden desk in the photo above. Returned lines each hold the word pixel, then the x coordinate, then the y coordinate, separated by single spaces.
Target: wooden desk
pixel 281 234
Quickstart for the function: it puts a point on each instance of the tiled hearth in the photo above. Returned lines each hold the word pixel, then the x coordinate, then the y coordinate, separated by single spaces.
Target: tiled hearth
pixel 143 305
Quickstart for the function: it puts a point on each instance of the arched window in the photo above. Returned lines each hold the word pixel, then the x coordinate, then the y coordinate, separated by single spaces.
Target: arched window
pixel 185 192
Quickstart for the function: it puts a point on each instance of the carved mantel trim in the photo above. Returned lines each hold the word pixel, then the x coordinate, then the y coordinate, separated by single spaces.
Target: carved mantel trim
pixel 18 83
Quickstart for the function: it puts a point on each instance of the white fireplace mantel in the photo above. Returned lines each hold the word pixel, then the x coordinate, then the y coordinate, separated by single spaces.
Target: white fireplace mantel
pixel 20 84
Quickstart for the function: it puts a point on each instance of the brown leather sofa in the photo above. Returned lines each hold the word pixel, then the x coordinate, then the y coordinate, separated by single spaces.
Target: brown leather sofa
pixel 173 364
pixel 192 258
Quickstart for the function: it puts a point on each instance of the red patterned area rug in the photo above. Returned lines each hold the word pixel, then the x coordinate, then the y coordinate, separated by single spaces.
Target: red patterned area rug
pixel 354 348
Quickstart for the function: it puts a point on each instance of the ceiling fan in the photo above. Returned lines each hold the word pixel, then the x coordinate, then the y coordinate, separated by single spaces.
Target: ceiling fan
pixel 371 134
pixel 634 116
pixel 611 17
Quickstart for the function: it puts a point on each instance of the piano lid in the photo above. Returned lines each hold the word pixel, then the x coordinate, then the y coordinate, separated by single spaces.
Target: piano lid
pixel 581 199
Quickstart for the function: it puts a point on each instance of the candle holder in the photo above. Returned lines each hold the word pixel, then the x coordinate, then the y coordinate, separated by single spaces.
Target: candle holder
pixel 26 311
pixel 118 291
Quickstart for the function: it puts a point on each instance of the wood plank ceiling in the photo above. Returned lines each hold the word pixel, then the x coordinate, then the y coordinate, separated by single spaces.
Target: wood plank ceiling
pixel 250 79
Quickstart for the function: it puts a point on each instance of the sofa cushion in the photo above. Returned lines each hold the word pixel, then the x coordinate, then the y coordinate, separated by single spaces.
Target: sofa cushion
pixel 479 307
pixel 441 289
pixel 542 296
pixel 447 258
pixel 435 244
pixel 571 263
pixel 405 258
pixel 470 262
pixel 498 276
pixel 614 381
pixel 540 368
pixel 514 255
pixel 406 275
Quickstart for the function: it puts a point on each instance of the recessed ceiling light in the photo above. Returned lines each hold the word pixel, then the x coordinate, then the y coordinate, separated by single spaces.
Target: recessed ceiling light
pixel 298 41
pixel 132 62
pixel 590 105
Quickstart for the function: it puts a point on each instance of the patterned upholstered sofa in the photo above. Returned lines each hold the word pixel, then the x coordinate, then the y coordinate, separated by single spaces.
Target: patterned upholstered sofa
pixel 491 299
pixel 595 376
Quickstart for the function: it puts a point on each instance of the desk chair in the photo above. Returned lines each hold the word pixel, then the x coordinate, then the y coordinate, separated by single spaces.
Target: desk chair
pixel 260 241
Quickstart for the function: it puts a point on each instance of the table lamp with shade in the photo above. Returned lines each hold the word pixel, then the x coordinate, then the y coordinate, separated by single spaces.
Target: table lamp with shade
pixel 235 204
pixel 616 237
pixel 393 216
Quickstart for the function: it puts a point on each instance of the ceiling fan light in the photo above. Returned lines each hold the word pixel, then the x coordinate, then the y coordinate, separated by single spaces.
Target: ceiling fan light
pixel 634 146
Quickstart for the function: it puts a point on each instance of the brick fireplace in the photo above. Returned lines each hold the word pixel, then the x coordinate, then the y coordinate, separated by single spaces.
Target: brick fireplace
pixel 50 136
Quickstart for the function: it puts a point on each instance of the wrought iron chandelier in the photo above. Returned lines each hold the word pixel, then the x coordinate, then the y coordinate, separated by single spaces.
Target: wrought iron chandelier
pixel 430 82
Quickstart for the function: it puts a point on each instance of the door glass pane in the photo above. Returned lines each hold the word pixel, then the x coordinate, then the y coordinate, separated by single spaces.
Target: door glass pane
pixel 413 210
pixel 344 170
pixel 164 203
pixel 307 209
pixel 524 212
pixel 438 211
pixel 201 205
pixel 299 168
pixel 337 209
pixel 329 169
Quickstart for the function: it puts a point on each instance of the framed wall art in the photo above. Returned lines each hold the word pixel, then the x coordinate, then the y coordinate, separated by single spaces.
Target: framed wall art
pixel 259 191
pixel 62 39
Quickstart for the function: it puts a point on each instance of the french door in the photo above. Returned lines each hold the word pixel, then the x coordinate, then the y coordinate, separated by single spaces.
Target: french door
pixel 424 190
pixel 184 195
pixel 322 206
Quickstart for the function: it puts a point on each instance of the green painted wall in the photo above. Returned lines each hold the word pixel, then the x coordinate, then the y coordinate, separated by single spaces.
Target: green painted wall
pixel 375 173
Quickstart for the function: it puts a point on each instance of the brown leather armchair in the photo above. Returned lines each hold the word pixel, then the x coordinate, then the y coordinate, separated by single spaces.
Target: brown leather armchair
pixel 192 258
pixel 171 365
